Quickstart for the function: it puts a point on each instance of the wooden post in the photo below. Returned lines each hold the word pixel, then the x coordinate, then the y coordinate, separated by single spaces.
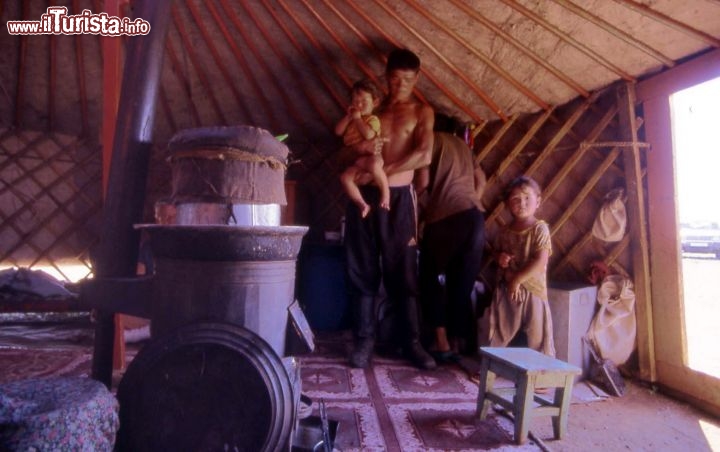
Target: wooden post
pixel 112 62
pixel 112 75
pixel 637 226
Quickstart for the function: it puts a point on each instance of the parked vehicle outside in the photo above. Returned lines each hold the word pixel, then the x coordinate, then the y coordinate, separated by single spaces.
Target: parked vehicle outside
pixel 701 238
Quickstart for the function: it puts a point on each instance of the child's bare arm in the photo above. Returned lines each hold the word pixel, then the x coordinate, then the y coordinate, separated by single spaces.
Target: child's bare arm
pixel 367 132
pixel 343 124
pixel 534 267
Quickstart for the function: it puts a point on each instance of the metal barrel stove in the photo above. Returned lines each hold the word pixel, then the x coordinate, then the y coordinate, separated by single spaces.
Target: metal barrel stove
pixel 219 372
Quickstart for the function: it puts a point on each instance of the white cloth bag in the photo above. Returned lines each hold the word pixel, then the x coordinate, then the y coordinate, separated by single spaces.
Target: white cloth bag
pixel 611 220
pixel 614 327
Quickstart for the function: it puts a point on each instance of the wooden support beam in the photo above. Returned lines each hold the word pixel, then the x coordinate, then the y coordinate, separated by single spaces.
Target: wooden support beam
pixel 249 74
pixel 637 225
pixel 279 58
pixel 200 68
pixel 351 24
pixel 61 238
pixel 616 32
pixel 52 79
pixel 222 64
pixel 67 177
pixel 179 71
pixel 670 22
pixel 519 146
pixel 442 87
pixel 615 252
pixel 585 190
pixel 495 139
pixel 281 22
pixel 567 258
pixel 691 73
pixel 561 175
pixel 564 130
pixel 48 222
pixel 600 170
pixel 112 50
pixel 521 47
pixel 341 43
pixel 112 68
pixel 14 157
pixel 80 64
pixel 666 260
pixel 21 70
pixel 488 61
pixel 167 111
pixel 46 190
pixel 607 64
pixel 487 100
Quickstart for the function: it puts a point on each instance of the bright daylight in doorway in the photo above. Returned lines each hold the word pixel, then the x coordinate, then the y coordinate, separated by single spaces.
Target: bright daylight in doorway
pixel 696 143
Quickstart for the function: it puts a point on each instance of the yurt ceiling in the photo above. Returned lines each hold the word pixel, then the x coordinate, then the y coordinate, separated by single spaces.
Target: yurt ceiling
pixel 287 65
pixel 507 66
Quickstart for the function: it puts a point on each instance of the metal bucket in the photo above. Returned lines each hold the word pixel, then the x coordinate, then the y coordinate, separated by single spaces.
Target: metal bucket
pixel 206 386
pixel 241 275
pixel 228 214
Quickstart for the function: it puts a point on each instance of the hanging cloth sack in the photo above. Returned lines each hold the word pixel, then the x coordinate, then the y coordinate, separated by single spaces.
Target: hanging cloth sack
pixel 610 222
pixel 613 329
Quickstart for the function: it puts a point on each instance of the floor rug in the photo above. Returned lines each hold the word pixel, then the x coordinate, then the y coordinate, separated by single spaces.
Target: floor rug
pixel 394 407
pixel 390 406
pixel 20 364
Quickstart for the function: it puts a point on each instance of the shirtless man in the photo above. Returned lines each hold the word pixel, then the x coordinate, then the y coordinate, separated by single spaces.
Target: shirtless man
pixel 385 242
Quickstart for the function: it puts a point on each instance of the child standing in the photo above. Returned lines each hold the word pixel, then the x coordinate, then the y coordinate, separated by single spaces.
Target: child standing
pixel 359 124
pixel 520 302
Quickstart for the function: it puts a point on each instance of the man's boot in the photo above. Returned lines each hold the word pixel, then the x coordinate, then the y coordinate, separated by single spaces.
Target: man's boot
pixel 414 350
pixel 365 334
pixel 362 353
pixel 418 356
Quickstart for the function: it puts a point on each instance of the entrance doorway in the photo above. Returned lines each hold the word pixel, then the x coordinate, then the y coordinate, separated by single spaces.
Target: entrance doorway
pixel 683 193
pixel 696 147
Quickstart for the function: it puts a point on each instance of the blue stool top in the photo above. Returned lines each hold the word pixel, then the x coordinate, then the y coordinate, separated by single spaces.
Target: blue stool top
pixel 529 360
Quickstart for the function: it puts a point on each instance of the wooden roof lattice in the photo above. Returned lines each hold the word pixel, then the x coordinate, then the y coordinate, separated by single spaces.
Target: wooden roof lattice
pixel 504 67
pixel 287 65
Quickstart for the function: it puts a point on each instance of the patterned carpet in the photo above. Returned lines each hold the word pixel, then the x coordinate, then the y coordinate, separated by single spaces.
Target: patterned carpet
pixel 388 407
pixel 20 364
pixel 394 407
pixel 44 345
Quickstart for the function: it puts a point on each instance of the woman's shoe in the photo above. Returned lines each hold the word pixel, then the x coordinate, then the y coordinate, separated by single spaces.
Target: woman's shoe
pixel 446 357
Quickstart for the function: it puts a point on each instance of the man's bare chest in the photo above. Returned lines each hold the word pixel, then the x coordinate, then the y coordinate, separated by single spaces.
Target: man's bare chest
pixel 399 122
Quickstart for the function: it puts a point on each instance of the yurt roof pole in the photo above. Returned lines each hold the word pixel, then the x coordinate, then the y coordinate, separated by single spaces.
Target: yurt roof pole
pixel 118 250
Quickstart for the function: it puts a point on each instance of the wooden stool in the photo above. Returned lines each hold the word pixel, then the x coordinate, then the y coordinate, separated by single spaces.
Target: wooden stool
pixel 529 370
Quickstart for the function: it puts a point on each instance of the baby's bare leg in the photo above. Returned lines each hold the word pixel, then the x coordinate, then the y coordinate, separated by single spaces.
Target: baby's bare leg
pixel 347 178
pixel 381 180
pixel 373 164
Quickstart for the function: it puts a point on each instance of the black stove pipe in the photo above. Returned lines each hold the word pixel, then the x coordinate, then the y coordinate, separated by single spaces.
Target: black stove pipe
pixel 117 252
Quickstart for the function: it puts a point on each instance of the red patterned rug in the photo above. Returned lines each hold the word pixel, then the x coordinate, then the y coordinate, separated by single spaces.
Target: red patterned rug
pixel 394 407
pixel 21 364
pixel 391 406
